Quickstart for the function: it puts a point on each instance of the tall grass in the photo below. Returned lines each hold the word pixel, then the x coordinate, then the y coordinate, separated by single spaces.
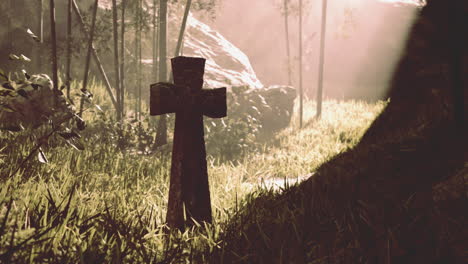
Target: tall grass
pixel 104 205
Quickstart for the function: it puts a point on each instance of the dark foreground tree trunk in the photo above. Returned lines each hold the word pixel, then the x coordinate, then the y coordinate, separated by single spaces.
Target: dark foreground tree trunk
pixel 458 39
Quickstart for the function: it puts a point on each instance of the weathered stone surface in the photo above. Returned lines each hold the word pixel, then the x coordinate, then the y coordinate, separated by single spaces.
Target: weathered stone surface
pixel 189 195
pixel 273 106
pixel 226 64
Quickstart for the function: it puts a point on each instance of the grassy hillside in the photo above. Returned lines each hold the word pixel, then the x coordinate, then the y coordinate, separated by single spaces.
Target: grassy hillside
pixel 102 205
pixel 398 196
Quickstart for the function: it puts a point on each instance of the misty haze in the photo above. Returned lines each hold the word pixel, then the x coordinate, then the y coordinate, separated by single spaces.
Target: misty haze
pixel 233 131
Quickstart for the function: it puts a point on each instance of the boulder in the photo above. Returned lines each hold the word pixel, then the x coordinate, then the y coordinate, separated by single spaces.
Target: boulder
pixel 226 64
pixel 272 106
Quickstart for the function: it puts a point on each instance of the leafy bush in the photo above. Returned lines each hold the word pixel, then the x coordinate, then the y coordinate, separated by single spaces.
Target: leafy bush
pixel 30 110
pixel 251 114
pixel 129 135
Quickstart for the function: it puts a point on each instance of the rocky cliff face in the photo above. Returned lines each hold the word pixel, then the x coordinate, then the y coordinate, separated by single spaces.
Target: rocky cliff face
pixel 226 64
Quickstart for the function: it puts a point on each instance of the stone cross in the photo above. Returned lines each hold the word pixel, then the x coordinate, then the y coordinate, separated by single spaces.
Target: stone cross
pixel 189 187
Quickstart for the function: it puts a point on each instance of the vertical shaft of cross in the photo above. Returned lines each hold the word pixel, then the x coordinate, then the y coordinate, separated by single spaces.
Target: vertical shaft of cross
pixel 189 186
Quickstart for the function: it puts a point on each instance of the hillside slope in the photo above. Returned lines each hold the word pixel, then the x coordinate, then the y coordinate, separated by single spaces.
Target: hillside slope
pixel 399 196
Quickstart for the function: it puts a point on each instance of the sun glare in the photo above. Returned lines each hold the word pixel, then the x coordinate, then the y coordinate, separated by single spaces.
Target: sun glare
pixel 378 40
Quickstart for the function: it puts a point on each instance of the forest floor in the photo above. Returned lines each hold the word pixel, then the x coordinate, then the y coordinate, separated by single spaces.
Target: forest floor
pixel 397 196
pixel 102 205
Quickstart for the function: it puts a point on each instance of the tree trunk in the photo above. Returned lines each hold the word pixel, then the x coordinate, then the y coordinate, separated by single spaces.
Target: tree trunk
pixel 161 135
pixel 458 40
pixel 137 59
pixel 116 57
pixel 322 59
pixel 140 57
pixel 9 27
pixel 69 51
pixel 181 34
pixel 95 56
pixel 182 28
pixel 53 40
pixel 288 50
pixel 122 61
pixel 158 56
pixel 182 48
pixel 163 40
pixel 155 39
pixel 40 31
pixel 301 92
pixel 41 22
pixel 88 56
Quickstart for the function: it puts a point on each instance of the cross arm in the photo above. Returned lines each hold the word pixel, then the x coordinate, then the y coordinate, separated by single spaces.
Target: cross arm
pixel 213 102
pixel 164 99
pixel 168 98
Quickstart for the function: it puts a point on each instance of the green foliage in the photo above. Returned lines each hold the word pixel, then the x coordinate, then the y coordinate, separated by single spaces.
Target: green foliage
pixel 229 137
pixel 29 100
pixel 129 135
pixel 253 116
pixel 102 205
pixel 32 111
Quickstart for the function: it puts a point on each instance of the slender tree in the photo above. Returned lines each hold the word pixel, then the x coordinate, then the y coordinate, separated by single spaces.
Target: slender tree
pixel 286 27
pixel 181 34
pixel 95 56
pixel 138 29
pixel 88 56
pixel 140 57
pixel 41 22
pixel 69 50
pixel 9 26
pixel 158 57
pixel 116 57
pixel 40 31
pixel 301 91
pixel 163 40
pixel 161 137
pixel 122 60
pixel 182 48
pixel 322 59
pixel 53 40
pixel 155 40
pixel 135 61
pixel 182 28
